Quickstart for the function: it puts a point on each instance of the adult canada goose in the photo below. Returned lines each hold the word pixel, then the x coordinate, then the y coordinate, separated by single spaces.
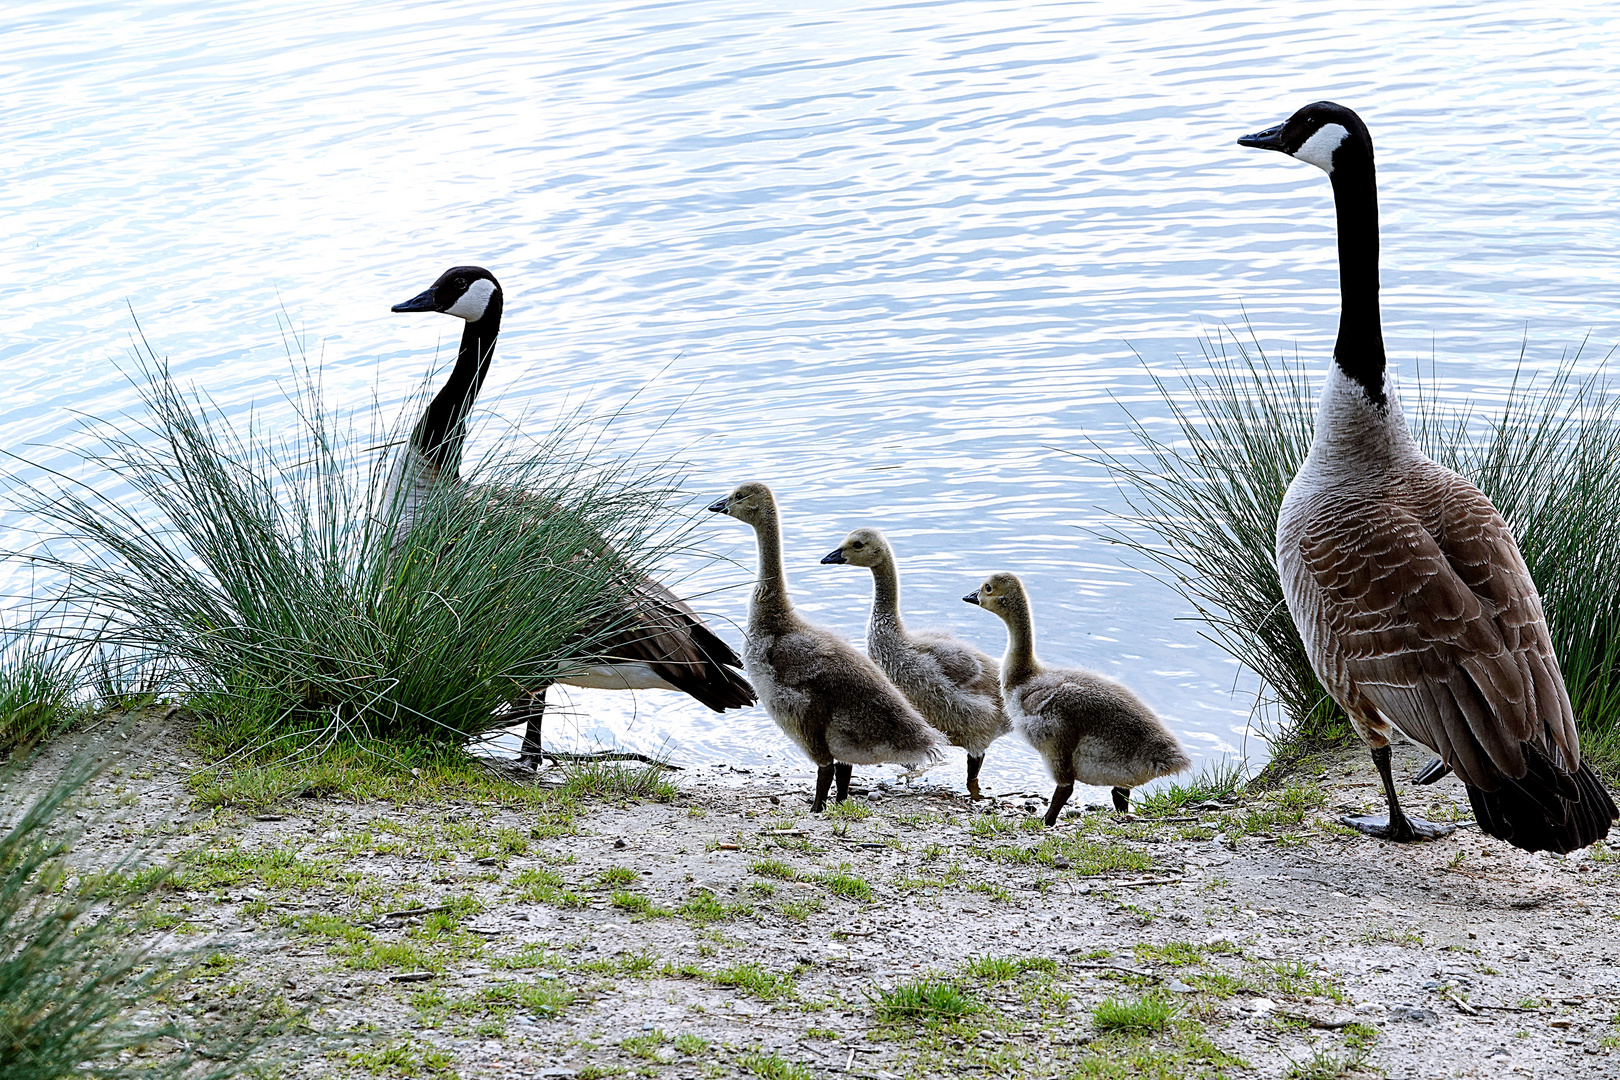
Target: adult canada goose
pixel 826 696
pixel 1088 727
pixel 955 686
pixel 658 641
pixel 1412 598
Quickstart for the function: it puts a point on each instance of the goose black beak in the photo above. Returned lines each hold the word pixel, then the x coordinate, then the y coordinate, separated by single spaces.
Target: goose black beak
pixel 720 507
pixel 1269 139
pixel 972 598
pixel 834 556
pixel 422 301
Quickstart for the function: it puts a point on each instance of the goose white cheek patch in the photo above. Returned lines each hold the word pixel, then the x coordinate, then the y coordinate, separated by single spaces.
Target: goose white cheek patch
pixel 1318 149
pixel 473 302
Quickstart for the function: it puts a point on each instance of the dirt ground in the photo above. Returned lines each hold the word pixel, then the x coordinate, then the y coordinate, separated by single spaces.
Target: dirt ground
pixel 726 931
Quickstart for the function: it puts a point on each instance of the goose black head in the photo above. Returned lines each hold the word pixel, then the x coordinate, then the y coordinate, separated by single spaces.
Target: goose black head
pixel 462 291
pixel 1327 135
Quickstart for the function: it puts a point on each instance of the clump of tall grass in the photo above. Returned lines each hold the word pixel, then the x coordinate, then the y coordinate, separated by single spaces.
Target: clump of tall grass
pixel 1207 494
pixel 76 997
pixel 261 576
pixel 39 680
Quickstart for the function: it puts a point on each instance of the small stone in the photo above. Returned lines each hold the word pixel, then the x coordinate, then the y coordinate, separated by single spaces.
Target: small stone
pixel 619 843
pixel 1176 986
pixel 1413 1014
pixel 776 800
pixel 1060 863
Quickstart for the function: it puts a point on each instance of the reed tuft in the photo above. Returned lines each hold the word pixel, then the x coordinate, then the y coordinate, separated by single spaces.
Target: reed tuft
pixel 261 577
pixel 1204 498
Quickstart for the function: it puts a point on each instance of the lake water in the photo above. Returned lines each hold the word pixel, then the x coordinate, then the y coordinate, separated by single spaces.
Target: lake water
pixel 892 259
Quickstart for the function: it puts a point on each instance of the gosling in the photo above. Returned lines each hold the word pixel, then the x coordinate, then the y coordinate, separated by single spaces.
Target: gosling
pixel 955 686
pixel 1086 726
pixel 835 703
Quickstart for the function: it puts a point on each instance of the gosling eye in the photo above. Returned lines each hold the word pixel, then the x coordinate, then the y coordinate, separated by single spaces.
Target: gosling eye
pixel 857 545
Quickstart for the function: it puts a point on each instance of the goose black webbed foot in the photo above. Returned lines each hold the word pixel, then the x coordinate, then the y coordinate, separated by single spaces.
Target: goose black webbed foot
pixel 1122 799
pixel 1404 829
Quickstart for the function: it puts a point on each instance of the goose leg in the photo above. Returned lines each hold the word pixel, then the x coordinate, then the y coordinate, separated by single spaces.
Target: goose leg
pixel 973 776
pixel 1060 795
pixel 536 711
pixel 1122 799
pixel 842 771
pixel 1395 826
pixel 824 778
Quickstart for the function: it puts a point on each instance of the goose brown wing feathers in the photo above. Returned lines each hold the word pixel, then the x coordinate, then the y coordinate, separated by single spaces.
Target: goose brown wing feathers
pixel 1434 620
pixel 657 628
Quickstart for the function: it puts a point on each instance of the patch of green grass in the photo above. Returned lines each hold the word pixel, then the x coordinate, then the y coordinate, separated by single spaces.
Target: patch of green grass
pixel 646 1046
pixel 618 876
pixel 1327 1065
pixel 691 1045
pixel 403 1059
pixel 546 887
pixel 703 908
pixel 773 1067
pixel 1218 780
pixel 800 910
pixel 1145 1015
pixel 638 905
pixel 617 779
pixel 923 1000
pixel 757 980
pixel 848 811
pixel 1174 953
pixel 1001 968
pixel 773 868
pixel 847 885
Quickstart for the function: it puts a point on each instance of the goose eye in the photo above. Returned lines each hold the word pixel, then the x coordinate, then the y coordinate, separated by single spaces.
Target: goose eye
pixel 856 545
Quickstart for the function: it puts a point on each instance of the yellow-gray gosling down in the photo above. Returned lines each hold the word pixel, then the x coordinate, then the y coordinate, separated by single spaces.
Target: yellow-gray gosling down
pixel 826 696
pixel 1086 726
pixel 955 686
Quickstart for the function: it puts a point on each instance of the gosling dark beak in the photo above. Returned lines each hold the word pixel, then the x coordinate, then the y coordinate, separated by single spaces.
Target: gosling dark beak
pixel 835 556
pixel 1269 139
pixel 972 598
pixel 422 301
pixel 719 507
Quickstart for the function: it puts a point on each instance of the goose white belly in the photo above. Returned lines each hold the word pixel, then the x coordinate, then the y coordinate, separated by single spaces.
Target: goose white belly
pixel 626 676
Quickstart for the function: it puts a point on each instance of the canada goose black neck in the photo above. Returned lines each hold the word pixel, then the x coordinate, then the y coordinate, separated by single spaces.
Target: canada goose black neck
pixel 473 294
pixel 443 427
pixel 1335 140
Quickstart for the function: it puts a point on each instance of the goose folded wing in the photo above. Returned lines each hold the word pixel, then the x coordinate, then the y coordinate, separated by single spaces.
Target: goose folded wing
pixel 1445 663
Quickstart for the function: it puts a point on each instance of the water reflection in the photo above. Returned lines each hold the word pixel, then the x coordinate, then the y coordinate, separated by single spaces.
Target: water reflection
pixel 892 261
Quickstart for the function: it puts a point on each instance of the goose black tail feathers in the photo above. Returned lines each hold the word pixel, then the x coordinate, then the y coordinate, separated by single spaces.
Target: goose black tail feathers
pixel 1547 809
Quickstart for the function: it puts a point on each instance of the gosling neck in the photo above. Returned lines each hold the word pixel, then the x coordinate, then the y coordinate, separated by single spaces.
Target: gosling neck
pixel 1019 663
pixel 1359 350
pixel 770 601
pixel 439 435
pixel 886 596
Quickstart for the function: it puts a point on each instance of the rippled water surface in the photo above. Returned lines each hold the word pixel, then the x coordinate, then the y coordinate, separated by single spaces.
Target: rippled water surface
pixel 895 260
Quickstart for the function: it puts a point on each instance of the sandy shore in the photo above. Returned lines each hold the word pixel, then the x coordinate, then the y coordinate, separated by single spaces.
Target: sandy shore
pixel 726 931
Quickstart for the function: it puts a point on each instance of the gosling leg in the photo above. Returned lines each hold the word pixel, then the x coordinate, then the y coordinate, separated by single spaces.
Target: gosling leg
pixel 824 779
pixel 1122 799
pixel 842 770
pixel 1060 795
pixel 973 776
